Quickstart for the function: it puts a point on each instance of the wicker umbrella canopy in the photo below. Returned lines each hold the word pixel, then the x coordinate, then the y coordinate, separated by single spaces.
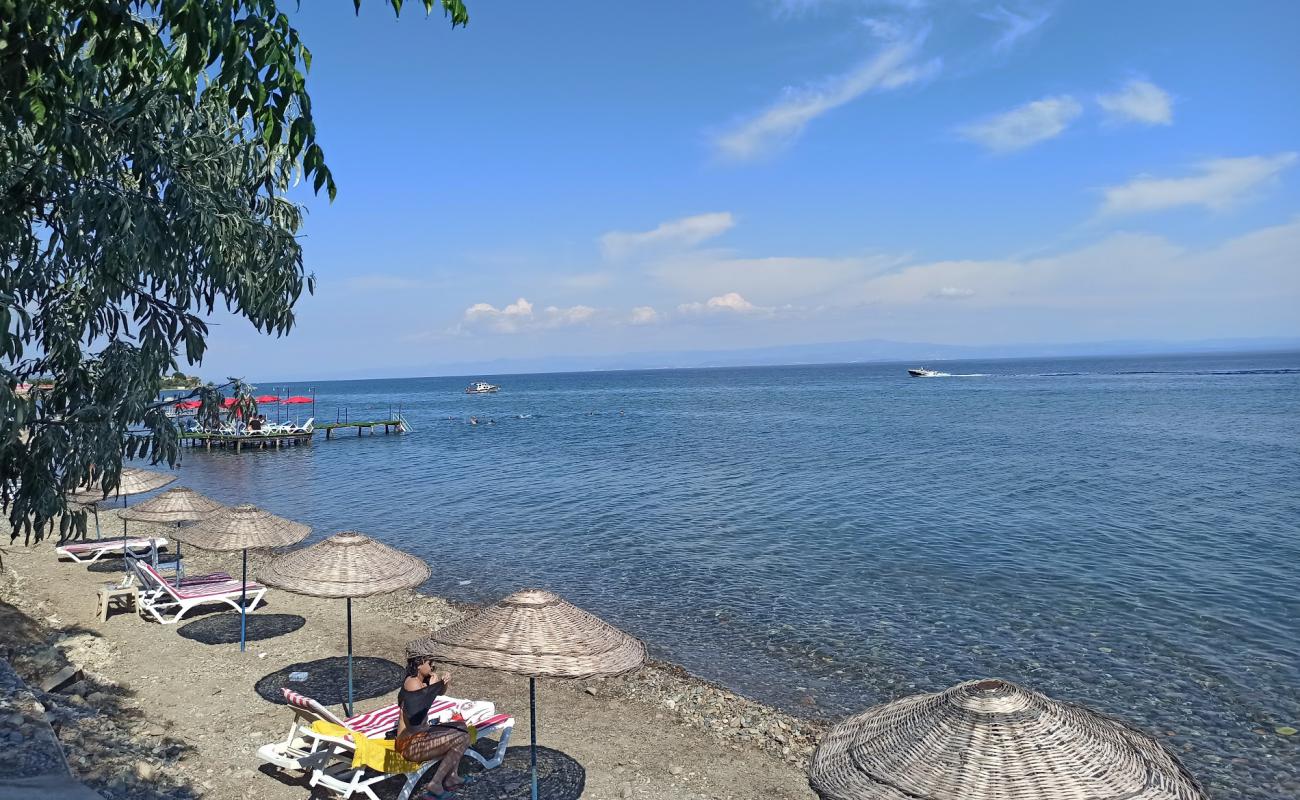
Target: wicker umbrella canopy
pixel 535 633
pixel 347 564
pixel 180 504
pixel 132 481
pixel 993 740
pixel 243 527
pixel 538 634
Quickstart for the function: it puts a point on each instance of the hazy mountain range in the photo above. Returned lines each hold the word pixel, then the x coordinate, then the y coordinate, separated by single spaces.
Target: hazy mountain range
pixel 867 350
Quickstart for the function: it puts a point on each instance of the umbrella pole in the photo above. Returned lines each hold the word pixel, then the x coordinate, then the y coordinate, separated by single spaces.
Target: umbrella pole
pixel 95 508
pixel 243 598
pixel 349 656
pixel 179 574
pixel 124 565
pixel 532 730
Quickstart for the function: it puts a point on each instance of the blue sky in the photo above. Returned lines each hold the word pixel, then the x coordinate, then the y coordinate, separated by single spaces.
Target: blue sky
pixel 628 177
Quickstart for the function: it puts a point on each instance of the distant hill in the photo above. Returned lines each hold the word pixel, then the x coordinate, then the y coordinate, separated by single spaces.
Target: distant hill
pixel 867 350
pixel 179 380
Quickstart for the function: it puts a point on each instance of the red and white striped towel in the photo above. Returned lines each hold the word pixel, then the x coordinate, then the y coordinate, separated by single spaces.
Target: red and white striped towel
pixel 379 722
pixel 213 589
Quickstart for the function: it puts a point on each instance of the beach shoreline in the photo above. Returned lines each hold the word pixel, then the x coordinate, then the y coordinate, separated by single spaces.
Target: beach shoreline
pixel 159 715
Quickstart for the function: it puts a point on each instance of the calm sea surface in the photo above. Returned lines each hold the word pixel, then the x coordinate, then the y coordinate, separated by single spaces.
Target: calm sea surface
pixel 1122 532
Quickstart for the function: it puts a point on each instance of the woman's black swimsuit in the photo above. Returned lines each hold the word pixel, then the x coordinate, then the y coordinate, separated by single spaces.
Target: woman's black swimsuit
pixel 415 705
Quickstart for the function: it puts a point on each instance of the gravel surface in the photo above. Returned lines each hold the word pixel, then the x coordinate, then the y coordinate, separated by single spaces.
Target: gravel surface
pixel 159 714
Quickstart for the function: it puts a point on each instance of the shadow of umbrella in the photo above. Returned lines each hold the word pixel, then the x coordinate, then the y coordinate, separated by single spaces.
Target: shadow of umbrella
pixel 344 566
pixel 225 628
pixel 244 527
pixel 559 777
pixel 327 680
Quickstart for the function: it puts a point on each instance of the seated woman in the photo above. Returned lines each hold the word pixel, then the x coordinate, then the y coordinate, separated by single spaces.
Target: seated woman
pixel 419 739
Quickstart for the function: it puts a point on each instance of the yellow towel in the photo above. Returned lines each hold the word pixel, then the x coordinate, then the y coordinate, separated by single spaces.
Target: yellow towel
pixel 377 754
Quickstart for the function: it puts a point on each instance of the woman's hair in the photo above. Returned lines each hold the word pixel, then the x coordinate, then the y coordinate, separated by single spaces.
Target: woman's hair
pixel 413 665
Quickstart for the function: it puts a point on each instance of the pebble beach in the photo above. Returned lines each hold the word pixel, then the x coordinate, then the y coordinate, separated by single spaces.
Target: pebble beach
pixel 159 716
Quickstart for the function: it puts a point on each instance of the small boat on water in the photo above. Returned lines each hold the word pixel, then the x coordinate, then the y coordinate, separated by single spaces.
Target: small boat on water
pixel 922 372
pixel 480 387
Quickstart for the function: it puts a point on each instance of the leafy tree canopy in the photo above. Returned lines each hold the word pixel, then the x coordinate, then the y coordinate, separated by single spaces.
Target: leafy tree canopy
pixel 146 149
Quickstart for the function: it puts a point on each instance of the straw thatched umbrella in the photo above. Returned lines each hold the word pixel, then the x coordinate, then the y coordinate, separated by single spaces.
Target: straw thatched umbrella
pixel 244 527
pixel 346 565
pixel 131 481
pixel 993 740
pixel 177 505
pixel 535 633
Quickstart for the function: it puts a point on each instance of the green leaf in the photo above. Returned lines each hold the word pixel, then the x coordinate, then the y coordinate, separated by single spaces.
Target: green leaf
pixel 153 189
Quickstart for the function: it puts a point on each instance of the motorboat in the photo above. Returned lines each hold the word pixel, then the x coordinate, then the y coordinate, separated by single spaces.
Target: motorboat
pixel 922 372
pixel 481 387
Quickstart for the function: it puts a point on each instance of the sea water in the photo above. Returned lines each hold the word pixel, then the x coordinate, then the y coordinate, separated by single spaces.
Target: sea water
pixel 1121 532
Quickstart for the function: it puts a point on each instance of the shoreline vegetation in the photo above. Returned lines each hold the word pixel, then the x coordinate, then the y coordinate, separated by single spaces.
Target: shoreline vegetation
pixel 160 714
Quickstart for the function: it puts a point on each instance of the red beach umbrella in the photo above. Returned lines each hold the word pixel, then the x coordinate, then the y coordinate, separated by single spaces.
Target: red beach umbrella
pixel 186 405
pixel 268 398
pixel 297 400
pixel 228 402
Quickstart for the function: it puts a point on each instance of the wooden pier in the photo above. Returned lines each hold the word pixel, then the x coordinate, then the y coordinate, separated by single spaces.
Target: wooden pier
pixel 388 425
pixel 275 441
pixel 257 441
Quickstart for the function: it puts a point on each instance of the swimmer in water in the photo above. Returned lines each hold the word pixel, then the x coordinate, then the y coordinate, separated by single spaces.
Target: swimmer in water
pixel 473 420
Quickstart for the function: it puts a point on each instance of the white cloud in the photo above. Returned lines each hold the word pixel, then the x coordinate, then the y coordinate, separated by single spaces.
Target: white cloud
pixel 1125 285
pixel 568 316
pixel 1111 279
pixel 785 120
pixel 731 302
pixel 684 232
pixel 1219 184
pixel 952 293
pixel 773 280
pixel 1025 125
pixel 644 315
pixel 519 316
pixel 504 320
pixel 1015 26
pixel 1138 101
pixel 887 30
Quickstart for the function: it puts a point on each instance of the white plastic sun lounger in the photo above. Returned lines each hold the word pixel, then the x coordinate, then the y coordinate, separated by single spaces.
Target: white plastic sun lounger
pixel 160 597
pixel 328 759
pixel 90 552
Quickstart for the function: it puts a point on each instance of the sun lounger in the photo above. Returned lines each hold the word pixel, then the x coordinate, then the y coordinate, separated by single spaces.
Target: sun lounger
pixel 90 552
pixel 185 581
pixel 328 759
pixel 306 427
pixel 160 597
